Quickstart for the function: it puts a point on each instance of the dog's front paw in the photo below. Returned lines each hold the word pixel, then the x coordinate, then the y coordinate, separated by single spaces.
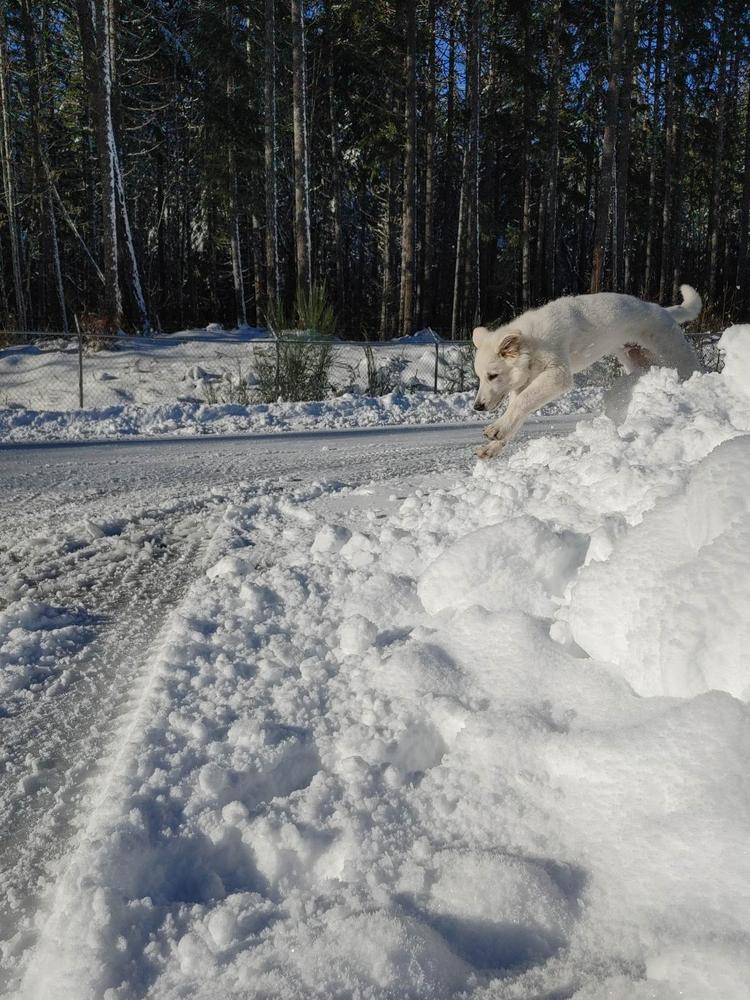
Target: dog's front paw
pixel 501 430
pixel 490 449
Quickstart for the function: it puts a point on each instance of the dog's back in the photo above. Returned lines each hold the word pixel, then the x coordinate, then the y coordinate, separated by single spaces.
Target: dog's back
pixel 585 328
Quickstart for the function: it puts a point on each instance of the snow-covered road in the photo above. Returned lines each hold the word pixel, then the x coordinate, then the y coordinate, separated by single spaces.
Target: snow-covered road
pixel 98 544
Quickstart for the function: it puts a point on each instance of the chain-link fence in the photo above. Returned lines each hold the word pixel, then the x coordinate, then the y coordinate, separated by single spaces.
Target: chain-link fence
pixel 51 372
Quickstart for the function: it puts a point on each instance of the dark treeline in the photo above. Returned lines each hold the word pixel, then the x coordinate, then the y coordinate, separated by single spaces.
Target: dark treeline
pixel 172 162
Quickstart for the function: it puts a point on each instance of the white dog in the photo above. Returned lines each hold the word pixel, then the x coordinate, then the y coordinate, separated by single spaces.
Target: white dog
pixel 533 359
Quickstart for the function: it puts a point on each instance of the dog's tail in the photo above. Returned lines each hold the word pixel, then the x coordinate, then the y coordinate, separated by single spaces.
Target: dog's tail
pixel 690 307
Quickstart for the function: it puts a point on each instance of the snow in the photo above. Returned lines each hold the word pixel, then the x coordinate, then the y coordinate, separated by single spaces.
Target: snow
pixel 348 410
pixel 736 350
pixel 198 381
pixel 34 639
pixel 479 733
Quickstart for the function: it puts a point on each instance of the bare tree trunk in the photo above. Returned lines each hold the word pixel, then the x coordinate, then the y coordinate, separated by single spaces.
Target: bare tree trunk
pixel 336 187
pixel 427 297
pixel 585 223
pixel 622 249
pixel 526 209
pixel 655 133
pixel 743 279
pixel 260 293
pixel 541 228
pixel 473 280
pixel 9 186
pixel 406 311
pixel 450 180
pixel 608 148
pixel 40 187
pixel 716 178
pixel 525 240
pixel 96 55
pixel 269 156
pixel 301 167
pixel 553 159
pixel 450 110
pixel 130 255
pixel 235 242
pixel 677 221
pixel 665 272
pixel 387 236
pixel 456 313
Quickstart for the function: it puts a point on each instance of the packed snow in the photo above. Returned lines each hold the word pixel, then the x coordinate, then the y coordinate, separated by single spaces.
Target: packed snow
pixel 485 736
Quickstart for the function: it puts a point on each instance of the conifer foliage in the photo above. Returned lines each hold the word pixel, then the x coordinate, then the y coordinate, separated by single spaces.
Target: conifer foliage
pixel 165 164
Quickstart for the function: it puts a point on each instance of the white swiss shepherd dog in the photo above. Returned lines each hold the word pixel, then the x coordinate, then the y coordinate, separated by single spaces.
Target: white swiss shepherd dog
pixel 532 360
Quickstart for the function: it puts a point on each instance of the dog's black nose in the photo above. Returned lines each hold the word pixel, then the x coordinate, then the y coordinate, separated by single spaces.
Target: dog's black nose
pixel 479 406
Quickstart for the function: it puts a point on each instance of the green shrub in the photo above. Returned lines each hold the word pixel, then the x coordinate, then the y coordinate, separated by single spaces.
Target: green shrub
pixel 298 367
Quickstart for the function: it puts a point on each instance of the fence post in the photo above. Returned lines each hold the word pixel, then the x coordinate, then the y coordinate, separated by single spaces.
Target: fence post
pixel 80 365
pixel 437 360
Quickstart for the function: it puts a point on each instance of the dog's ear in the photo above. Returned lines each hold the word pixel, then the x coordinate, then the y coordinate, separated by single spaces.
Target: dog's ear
pixel 510 345
pixel 480 333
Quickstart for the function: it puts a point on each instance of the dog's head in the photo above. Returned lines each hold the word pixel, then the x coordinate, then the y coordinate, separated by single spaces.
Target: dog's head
pixel 501 364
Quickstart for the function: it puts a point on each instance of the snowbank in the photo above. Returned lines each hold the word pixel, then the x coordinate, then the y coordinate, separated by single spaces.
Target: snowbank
pixel 18 424
pixel 494 743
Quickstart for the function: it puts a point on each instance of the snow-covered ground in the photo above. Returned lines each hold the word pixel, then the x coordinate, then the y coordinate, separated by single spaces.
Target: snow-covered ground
pixel 418 726
pixel 187 386
pixel 231 418
pixel 198 366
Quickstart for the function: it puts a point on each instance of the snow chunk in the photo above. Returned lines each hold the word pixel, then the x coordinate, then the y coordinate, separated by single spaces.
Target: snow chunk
pixel 520 562
pixel 356 635
pixel 331 538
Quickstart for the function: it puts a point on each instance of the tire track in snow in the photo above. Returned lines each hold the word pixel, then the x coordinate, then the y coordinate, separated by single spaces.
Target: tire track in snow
pixel 55 744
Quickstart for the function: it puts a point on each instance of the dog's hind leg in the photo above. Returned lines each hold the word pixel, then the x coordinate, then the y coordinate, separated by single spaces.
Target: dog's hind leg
pixel 634 359
pixel 668 346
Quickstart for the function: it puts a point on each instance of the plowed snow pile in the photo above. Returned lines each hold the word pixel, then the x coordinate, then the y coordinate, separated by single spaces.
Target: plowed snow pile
pixel 493 744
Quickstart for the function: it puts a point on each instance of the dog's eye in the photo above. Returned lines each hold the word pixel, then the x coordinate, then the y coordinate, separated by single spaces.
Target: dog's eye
pixel 490 378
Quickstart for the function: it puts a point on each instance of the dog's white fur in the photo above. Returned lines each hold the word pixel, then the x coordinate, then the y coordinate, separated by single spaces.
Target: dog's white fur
pixel 533 359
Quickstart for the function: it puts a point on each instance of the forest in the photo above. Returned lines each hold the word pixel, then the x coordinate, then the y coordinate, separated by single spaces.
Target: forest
pixel 169 163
